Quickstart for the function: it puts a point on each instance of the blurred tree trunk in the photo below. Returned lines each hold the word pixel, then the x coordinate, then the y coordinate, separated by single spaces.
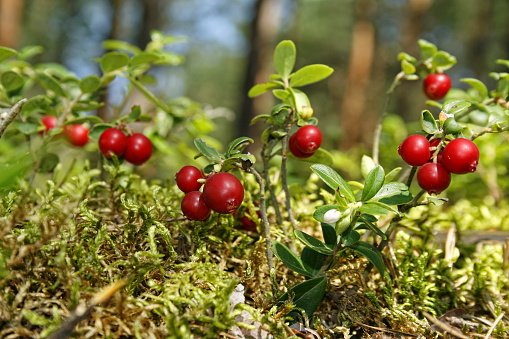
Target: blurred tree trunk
pixel 353 117
pixel 262 34
pixel 11 20
pixel 151 20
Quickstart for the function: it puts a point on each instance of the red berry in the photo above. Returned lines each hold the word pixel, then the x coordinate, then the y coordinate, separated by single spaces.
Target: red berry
pixel 194 207
pixel 415 150
pixel 77 134
pixel 49 121
pixel 433 178
pixel 247 223
pixel 460 156
pixel 187 179
pixel 223 192
pixel 112 140
pixel 295 151
pixel 138 149
pixel 308 139
pixel 436 85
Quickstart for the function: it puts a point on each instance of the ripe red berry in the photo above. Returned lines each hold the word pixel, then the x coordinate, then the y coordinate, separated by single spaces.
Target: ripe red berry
pixel 415 150
pixel 247 223
pixel 433 178
pixel 194 207
pixel 112 140
pixel 308 139
pixel 187 179
pixel 460 156
pixel 436 85
pixel 295 151
pixel 77 134
pixel 49 121
pixel 138 149
pixel 223 192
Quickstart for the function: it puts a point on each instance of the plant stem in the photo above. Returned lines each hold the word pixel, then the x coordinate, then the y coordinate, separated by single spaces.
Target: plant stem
pixel 283 172
pixel 150 96
pixel 273 198
pixel 9 117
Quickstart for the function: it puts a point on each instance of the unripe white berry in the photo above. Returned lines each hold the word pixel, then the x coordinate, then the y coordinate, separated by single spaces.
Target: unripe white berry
pixel 331 216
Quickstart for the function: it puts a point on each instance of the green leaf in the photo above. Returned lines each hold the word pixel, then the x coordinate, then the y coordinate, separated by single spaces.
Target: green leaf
pixel 96 130
pixel 26 127
pixel 407 67
pixel 259 89
pixel 93 119
pixel 208 151
pixel 307 295
pixel 374 182
pixel 12 81
pixel 299 98
pixel 350 237
pixel 120 45
pixel 455 106
pixel 373 227
pixel 11 171
pixel 289 258
pixel 321 210
pixel 478 86
pixel 310 74
pixel 36 104
pixel 90 84
pixel 393 193
pixel 451 126
pixel 443 60
pixel 281 94
pixel 48 162
pixel 238 145
pixel 503 62
pixel 371 253
pixel 329 234
pixel 427 48
pixel 280 113
pixel 51 84
pixel 405 56
pixel 374 209
pixel 284 58
pixel 367 164
pixel 6 53
pixel 312 260
pixel 143 58
pixel 314 243
pixel 134 114
pixel 334 180
pixel 428 123
pixel 321 156
pixel 113 60
pixel 258 117
pixel 436 201
pixel 392 174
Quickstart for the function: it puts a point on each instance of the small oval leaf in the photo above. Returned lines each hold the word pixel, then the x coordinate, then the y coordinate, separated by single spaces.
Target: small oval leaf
pixel 310 74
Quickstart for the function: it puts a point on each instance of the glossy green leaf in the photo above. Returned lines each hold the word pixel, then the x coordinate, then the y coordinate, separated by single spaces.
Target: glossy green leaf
pixel 350 237
pixel 428 123
pixel 321 156
pixel 280 113
pixel 120 45
pixel 405 56
pixel 6 53
pixel 407 67
pixel 372 226
pixel 289 258
pixel 93 119
pixel 208 151
pixel 49 83
pixel 299 99
pixel 427 48
pixel 90 84
pixel 143 58
pixel 113 60
pixel 451 126
pixel 392 174
pixel 443 60
pixel 393 193
pixel 281 94
pixel 367 164
pixel 310 74
pixel 334 180
pixel 374 209
pixel 374 182
pixel 329 234
pixel 96 130
pixel 371 253
pixel 259 117
pixel 312 260
pixel 36 104
pixel 26 127
pixel 284 58
pixel 479 86
pixel 12 81
pixel 307 295
pixel 314 243
pixel 259 89
pixel 455 106
pixel 321 210
pixel 238 145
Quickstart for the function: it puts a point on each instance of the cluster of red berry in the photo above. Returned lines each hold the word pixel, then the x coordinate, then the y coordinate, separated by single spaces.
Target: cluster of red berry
pixel 305 141
pixel 222 192
pixel 135 148
pixel 459 156
pixel 77 134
